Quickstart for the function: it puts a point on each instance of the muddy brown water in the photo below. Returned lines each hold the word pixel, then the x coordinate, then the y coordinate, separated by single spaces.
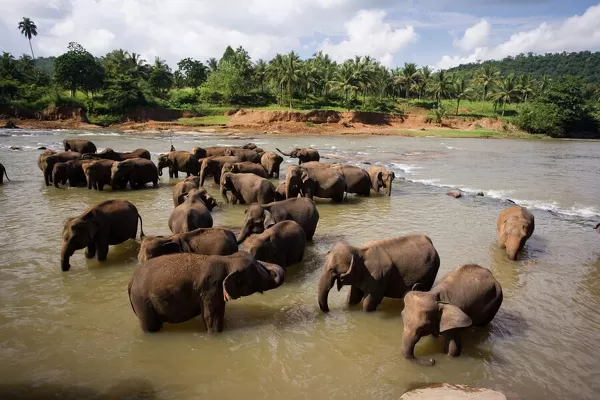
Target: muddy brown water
pixel 74 335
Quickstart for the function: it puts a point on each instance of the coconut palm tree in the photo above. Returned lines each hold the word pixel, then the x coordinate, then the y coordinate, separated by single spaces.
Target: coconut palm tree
pixel 260 73
pixel 28 29
pixel 344 80
pixel 441 85
pixel 424 78
pixel 291 72
pixel 213 64
pixel 275 73
pixel 462 91
pixel 525 86
pixel 506 90
pixel 487 77
pixel 544 83
pixel 408 76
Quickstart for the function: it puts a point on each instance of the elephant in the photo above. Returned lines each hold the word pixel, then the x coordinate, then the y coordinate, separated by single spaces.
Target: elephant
pixel 98 173
pixel 247 189
pixel 209 241
pixel 244 155
pixel 293 182
pixel 49 161
pixel 193 212
pixel 515 225
pixel 271 162
pixel 79 146
pixel 176 161
pixel 468 295
pixel 217 151
pixel 71 171
pixel 303 155
pixel 282 244
pixel 212 166
pixel 3 174
pixel 178 287
pixel 245 167
pixel 137 171
pixel 323 182
pixel 110 154
pixel 280 192
pixel 108 223
pixel 317 164
pixel 357 179
pixel 189 183
pixel 381 178
pixel 262 216
pixel 42 156
pixel 249 146
pixel 597 227
pixel 378 269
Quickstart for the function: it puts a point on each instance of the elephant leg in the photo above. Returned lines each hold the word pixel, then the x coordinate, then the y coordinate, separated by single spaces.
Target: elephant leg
pixel 355 295
pixel 176 173
pixel 452 342
pixel 371 302
pixel 155 183
pixel 100 187
pixel 149 321
pixel 102 250
pixel 214 315
pixel 90 251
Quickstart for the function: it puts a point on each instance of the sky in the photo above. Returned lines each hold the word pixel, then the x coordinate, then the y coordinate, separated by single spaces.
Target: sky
pixel 441 34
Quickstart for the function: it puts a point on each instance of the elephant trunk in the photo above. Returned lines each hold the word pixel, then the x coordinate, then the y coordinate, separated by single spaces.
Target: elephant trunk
pixel 65 254
pixel 513 246
pixel 89 181
pixel 409 342
pixel 202 175
pixel 389 186
pixel 55 180
pixel 285 154
pixel 224 194
pixel 277 276
pixel 160 171
pixel 325 284
pixel 244 233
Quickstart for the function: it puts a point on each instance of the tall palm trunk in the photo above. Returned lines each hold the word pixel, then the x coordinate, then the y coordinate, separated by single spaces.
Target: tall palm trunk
pixel 31 48
pixel 457 105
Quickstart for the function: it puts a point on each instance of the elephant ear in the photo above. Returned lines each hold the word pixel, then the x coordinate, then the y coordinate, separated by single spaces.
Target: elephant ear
pixel 418 287
pixel 304 176
pixel 231 285
pixel 380 176
pixel 269 220
pixel 93 224
pixel 452 317
pixel 393 175
pixel 345 274
pixel 171 247
pixel 182 197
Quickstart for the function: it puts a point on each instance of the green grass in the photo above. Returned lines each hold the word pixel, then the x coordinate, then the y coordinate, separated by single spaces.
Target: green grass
pixel 476 133
pixel 203 121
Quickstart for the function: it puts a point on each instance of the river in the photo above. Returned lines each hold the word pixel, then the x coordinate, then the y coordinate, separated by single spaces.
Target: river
pixel 74 334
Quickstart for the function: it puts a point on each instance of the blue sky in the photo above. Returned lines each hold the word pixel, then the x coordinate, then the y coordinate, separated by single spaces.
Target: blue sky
pixel 437 33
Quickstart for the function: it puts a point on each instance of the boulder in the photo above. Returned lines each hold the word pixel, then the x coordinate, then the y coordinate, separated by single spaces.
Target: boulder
pixel 480 194
pixel 455 193
pixel 448 391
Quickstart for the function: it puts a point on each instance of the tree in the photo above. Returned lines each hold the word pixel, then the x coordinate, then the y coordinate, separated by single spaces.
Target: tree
pixel 226 80
pixel 28 29
pixel 193 72
pixel 462 91
pixel 525 87
pixel 291 72
pixel 408 76
pixel 260 74
pixel 78 69
pixel 276 72
pixel 212 64
pixel 487 77
pixel 506 91
pixel 441 85
pixel 161 78
pixel 424 79
pixel 344 81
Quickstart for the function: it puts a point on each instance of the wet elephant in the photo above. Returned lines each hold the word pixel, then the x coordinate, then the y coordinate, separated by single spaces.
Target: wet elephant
pixel 42 156
pixel 514 226
pixel 50 160
pixel 303 154
pixel 381 178
pixel 79 146
pixel 212 166
pixel 110 154
pixel 327 183
pixel 215 151
pixel 176 161
pixel 98 173
pixel 137 171
pixel 271 162
pixel 193 212
pixel 108 223
pixel 357 179
pixel 245 167
pixel 293 182
pixel 3 174
pixel 282 244
pixel 183 187
pixel 244 155
pixel 71 171
pixel 247 189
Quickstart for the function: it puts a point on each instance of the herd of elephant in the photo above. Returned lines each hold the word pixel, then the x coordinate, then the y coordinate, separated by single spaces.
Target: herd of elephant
pixel 198 268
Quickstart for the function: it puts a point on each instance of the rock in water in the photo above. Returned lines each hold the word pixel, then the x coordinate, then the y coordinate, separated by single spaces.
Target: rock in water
pixel 448 391
pixel 455 193
pixel 480 194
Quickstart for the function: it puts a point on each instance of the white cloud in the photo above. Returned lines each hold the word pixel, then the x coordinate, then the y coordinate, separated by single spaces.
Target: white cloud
pixel 476 36
pixel 368 34
pixel 577 33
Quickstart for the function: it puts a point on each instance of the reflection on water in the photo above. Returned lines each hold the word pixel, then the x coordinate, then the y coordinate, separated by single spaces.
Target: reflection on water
pixel 74 335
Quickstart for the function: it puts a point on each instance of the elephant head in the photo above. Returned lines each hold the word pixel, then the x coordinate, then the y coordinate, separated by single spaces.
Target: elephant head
pixel 344 265
pixel 163 162
pixel 293 181
pixel 261 248
pixel 226 185
pixel 249 146
pixel 91 174
pixel 229 167
pixel 199 152
pixel 199 195
pixel 423 315
pixel 77 234
pixel 59 174
pixel 207 167
pixel 385 178
pixel 515 232
pixel 255 276
pixel 257 220
pixel 156 246
pixel 120 174
pixel 294 153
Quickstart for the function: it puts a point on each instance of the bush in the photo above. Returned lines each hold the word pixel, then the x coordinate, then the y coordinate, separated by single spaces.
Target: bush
pixel 539 118
pixel 182 98
pixel 104 119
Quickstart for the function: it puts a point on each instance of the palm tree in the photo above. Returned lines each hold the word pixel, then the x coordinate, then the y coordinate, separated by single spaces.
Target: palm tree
pixel 462 91
pixel 424 78
pixel 260 73
pixel 441 84
pixel 28 29
pixel 525 86
pixel 506 90
pixel 344 80
pixel 291 72
pixel 213 64
pixel 544 83
pixel 408 76
pixel 488 76
pixel 275 73
pixel 8 66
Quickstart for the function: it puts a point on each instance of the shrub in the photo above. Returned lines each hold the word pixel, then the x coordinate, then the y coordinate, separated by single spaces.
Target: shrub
pixel 104 119
pixel 539 118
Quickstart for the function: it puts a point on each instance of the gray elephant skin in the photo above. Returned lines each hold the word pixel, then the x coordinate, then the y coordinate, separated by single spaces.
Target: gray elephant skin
pixel 71 171
pixel 245 167
pixel 108 223
pixel 246 189
pixel 98 173
pixel 48 161
pixel 208 241
pixel 3 174
pixel 79 146
pixel 262 216
pixel 212 166
pixel 183 187
pixel 303 155
pixel 110 154
pixel 244 155
pixel 327 183
pixel 193 212
pixel 43 156
pixel 178 287
pixel 177 161
pixel 215 151
pixel 514 226
pixel 378 269
pixel 381 178
pixel 282 244
pixel 468 295
pixel 137 171
pixel 271 162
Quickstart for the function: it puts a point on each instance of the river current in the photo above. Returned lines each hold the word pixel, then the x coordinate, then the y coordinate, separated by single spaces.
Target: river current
pixel 74 335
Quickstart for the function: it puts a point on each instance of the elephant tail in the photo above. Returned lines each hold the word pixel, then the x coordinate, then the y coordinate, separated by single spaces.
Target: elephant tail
pixel 142 234
pixel 6 176
pixel 129 295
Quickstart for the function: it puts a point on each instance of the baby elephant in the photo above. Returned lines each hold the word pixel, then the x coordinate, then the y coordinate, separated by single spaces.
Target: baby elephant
pixel 469 295
pixel 247 189
pixel 378 269
pixel 282 244
pixel 183 187
pixel 209 241
pixel 178 287
pixel 515 225
pixel 193 212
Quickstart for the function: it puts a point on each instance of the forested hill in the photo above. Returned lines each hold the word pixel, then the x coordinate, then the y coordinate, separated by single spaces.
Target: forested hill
pixel 584 64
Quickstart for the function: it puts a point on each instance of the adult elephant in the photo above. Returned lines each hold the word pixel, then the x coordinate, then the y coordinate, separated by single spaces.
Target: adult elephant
pixel 245 167
pixel 514 226
pixel 49 161
pixel 71 171
pixel 303 155
pixel 328 183
pixel 381 178
pixel 280 192
pixel 244 155
pixel 378 269
pixel 212 166
pixel 183 187
pixel 178 287
pixel 468 295
pixel 357 179
pixel 79 146
pixel 176 161
pixel 208 241
pixel 249 146
pixel 293 182
pixel 108 223
pixel 247 189
pixel 137 171
pixel 193 212
pixel 282 244
pixel 215 151
pixel 42 156
pixel 98 173
pixel 262 216
pixel 271 162
pixel 110 154
pixel 3 174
